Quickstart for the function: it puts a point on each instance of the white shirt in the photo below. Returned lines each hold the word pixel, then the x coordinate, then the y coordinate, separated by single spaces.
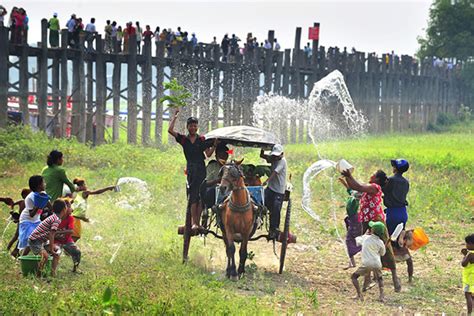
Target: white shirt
pixel 278 183
pixel 29 205
pixel 139 33
pixel 277 46
pixel 372 249
pixel 267 45
pixel 114 31
pixel 90 28
pixel 70 25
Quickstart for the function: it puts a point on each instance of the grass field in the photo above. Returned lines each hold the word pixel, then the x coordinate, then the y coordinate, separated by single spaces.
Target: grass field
pixel 147 275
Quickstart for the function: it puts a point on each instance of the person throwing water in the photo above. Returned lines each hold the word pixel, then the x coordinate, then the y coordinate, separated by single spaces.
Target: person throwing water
pixel 194 148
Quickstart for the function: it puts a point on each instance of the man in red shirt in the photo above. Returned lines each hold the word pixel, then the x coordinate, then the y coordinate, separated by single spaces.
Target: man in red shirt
pixel 64 238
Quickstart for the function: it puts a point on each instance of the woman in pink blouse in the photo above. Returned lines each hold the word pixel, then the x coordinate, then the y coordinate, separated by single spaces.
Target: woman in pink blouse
pixel 371 210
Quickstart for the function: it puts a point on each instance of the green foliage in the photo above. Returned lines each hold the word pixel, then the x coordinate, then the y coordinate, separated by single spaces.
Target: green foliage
pixel 178 95
pixel 450 32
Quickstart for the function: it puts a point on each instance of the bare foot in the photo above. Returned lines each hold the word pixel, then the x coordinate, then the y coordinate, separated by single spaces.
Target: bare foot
pixel 382 299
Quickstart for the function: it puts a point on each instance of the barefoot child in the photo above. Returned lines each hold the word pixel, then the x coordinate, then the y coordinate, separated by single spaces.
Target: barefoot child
pixel 353 225
pixel 47 231
pixel 468 272
pixel 372 249
pixel 63 236
pixel 16 218
pixel 79 205
pixel 30 216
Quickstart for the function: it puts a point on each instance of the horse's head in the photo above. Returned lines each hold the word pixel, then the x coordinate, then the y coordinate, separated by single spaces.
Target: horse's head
pixel 230 174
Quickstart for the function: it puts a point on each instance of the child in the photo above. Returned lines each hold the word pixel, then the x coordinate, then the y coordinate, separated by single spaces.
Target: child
pixel 353 225
pixel 372 249
pixel 30 216
pixel 468 272
pixel 47 231
pixel 402 253
pixel 16 218
pixel 80 205
pixel 63 236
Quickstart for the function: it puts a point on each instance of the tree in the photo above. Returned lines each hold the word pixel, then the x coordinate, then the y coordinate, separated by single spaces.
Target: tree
pixel 450 32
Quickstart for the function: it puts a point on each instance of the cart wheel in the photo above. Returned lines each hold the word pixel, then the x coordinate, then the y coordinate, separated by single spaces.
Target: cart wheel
pixel 187 234
pixel 284 241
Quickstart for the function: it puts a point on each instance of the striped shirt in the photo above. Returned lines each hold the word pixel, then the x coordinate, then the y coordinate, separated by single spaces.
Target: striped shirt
pixel 41 232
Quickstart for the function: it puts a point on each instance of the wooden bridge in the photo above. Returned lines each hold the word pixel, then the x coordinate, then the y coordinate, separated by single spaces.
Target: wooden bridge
pixel 395 93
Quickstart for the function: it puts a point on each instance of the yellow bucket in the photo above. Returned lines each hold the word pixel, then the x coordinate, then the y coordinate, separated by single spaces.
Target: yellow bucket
pixel 420 239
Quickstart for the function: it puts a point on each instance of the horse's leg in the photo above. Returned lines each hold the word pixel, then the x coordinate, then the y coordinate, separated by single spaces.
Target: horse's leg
pixel 231 269
pixel 243 255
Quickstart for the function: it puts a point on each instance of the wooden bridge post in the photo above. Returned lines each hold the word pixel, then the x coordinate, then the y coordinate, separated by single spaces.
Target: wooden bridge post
pixel 215 88
pixel 24 91
pixel 64 83
pixel 78 120
pixel 146 92
pixel 100 90
pixel 116 95
pixel 160 54
pixel 237 107
pixel 43 77
pixel 295 82
pixel 132 90
pixel 55 97
pixel 90 100
pixel 314 61
pixel 285 91
pixel 227 93
pixel 4 52
pixel 269 64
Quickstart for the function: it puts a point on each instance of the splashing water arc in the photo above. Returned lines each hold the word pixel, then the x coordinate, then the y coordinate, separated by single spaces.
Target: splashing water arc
pixel 134 193
pixel 315 169
pixel 332 113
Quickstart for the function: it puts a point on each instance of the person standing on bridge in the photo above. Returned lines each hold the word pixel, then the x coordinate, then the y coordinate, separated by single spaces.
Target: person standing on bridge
pixel 53 25
pixel 194 147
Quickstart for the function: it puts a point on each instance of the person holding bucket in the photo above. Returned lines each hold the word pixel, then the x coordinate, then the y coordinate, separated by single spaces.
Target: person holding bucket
pixel 371 210
pixel 395 192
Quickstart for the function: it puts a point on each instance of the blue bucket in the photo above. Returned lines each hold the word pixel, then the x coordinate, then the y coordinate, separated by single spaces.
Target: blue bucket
pixel 40 199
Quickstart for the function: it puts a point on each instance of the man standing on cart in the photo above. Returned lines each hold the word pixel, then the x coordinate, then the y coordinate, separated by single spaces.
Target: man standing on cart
pixel 276 186
pixel 194 147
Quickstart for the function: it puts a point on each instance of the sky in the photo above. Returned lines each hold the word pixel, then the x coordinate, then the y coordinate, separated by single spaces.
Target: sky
pixel 371 26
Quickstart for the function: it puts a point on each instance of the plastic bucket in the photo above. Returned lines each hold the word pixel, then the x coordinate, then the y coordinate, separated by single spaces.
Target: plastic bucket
pixel 420 239
pixel 40 199
pixel 343 165
pixel 29 265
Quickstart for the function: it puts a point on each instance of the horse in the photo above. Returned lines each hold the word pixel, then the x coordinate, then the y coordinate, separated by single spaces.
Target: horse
pixel 236 215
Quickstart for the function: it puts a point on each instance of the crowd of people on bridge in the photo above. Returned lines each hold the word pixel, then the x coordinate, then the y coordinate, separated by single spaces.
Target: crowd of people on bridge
pixel 113 33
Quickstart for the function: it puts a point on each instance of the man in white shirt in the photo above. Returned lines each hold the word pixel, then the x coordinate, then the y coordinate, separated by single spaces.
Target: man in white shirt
pixel 276 45
pixel 71 25
pixel 373 248
pixel 90 33
pixel 275 191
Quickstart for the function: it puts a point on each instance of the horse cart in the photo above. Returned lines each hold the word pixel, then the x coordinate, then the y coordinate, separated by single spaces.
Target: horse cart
pixel 227 217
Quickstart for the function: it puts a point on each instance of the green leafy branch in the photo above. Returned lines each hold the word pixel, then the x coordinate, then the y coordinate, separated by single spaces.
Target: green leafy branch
pixel 178 94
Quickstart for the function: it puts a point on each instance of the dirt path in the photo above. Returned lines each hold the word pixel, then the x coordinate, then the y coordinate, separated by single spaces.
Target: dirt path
pixel 314 280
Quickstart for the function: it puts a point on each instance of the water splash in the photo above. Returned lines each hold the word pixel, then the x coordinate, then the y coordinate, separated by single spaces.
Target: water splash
pixel 134 193
pixel 5 230
pixel 328 113
pixel 331 111
pixel 114 255
pixel 310 173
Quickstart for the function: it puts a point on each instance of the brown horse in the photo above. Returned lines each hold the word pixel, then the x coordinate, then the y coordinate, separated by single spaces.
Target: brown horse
pixel 237 217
